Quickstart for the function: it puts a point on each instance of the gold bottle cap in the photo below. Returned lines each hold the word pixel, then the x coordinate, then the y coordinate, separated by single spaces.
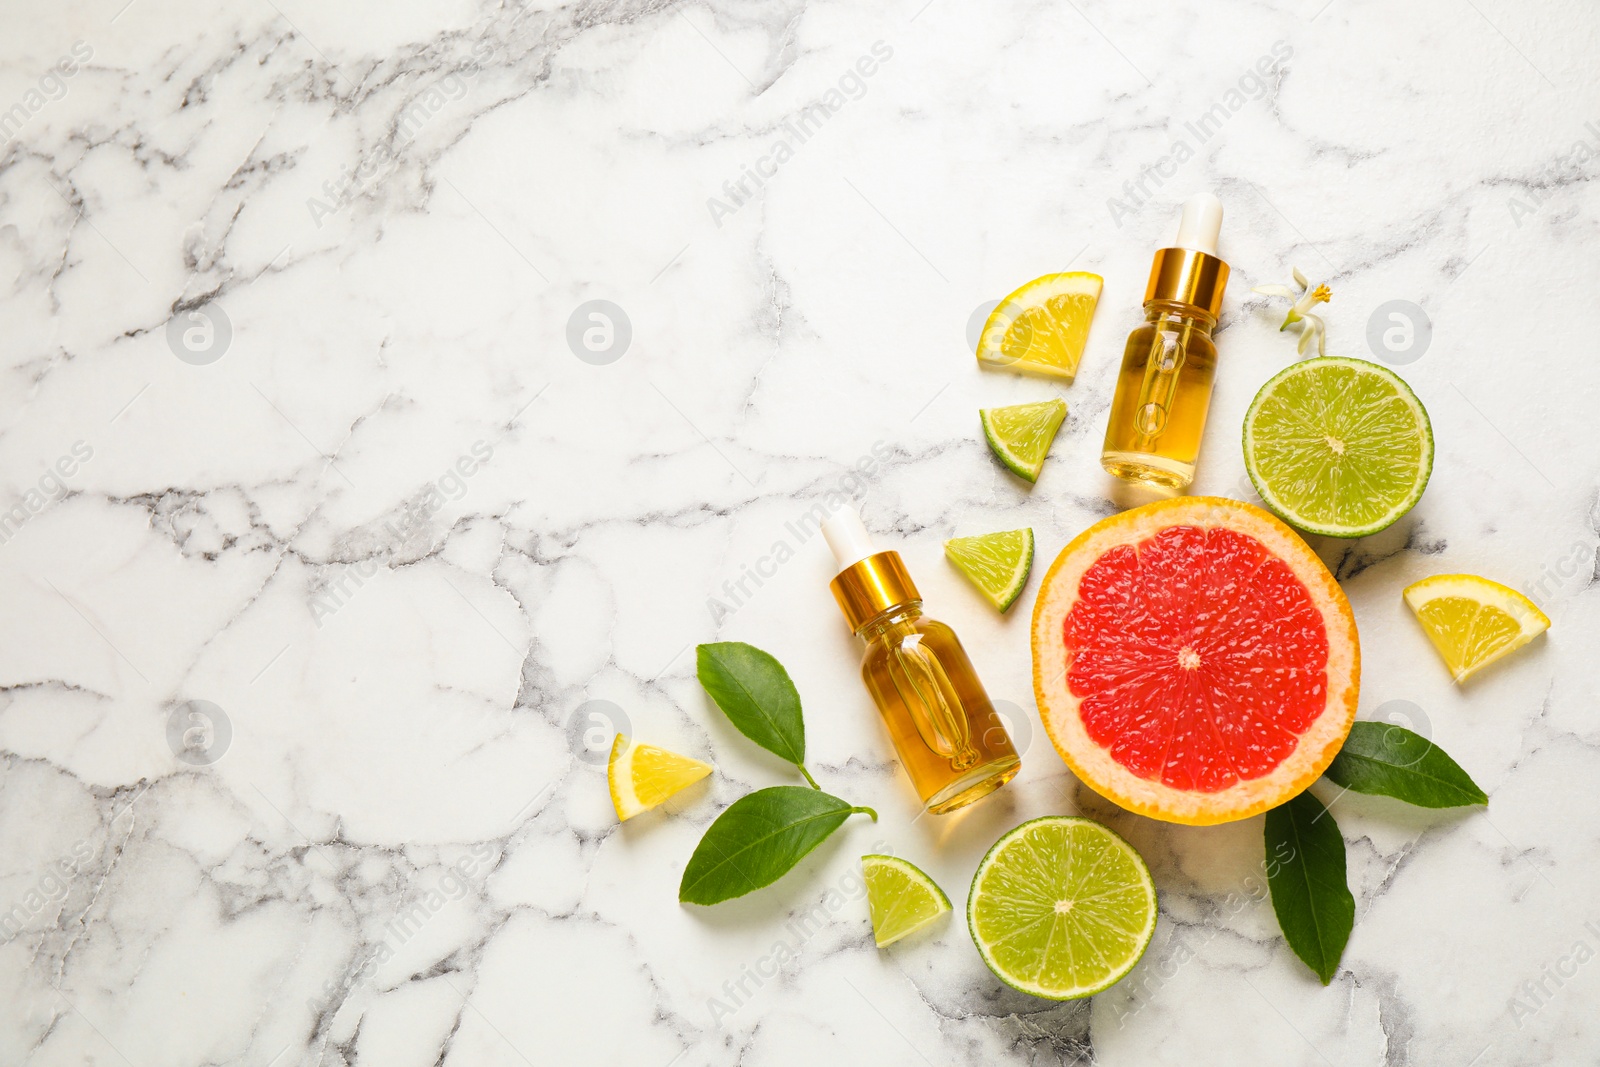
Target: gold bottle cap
pixel 872 585
pixel 1188 276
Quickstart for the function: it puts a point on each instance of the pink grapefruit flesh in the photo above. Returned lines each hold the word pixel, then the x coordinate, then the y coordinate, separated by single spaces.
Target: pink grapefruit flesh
pixel 1194 660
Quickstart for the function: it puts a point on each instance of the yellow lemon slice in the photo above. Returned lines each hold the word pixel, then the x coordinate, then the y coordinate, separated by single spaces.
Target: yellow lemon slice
pixel 1473 621
pixel 1041 328
pixel 642 776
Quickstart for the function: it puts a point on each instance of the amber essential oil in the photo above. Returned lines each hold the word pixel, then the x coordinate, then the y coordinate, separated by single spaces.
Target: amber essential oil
pixel 1163 393
pixel 1158 415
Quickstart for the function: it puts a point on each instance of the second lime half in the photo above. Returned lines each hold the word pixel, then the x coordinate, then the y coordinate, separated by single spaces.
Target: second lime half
pixel 1338 446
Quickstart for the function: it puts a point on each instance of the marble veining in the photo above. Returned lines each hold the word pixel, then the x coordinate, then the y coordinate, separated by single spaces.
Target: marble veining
pixel 395 394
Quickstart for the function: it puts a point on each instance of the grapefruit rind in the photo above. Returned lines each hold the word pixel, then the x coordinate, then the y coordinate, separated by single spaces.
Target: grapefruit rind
pixel 1058 707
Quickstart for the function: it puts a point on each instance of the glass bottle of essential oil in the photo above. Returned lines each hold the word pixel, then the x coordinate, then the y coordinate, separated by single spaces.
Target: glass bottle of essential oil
pixel 950 741
pixel 1164 389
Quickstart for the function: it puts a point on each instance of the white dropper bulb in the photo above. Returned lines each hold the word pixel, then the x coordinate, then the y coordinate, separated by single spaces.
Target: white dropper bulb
pixel 1200 224
pixel 847 537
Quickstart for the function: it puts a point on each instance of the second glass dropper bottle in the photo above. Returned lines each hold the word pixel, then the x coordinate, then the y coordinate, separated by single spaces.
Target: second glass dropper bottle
pixel 950 741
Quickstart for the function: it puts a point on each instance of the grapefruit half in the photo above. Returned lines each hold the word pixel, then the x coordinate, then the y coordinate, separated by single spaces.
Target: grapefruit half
pixel 1194 661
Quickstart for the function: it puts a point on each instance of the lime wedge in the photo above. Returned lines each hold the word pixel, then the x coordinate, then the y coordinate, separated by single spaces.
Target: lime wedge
pixel 997 563
pixel 1021 434
pixel 900 898
pixel 1338 446
pixel 1061 908
pixel 1473 621
pixel 1042 327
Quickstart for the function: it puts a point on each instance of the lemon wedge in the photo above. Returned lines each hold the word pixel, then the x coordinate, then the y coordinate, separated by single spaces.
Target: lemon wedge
pixel 1042 327
pixel 1473 621
pixel 642 776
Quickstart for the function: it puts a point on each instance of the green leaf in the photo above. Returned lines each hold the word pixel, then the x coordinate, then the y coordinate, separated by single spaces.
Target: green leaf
pixel 1305 870
pixel 755 693
pixel 1392 761
pixel 759 839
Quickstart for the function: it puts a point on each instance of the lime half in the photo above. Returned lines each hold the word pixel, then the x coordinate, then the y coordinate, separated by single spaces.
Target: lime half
pixel 997 563
pixel 1061 908
pixel 1338 446
pixel 900 898
pixel 1021 434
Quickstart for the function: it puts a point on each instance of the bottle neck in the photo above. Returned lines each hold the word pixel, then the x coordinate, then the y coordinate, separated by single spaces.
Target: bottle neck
pixel 890 617
pixel 1188 276
pixel 1175 312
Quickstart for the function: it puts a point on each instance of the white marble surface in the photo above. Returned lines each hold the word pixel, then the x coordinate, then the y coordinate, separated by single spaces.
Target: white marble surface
pixel 398 648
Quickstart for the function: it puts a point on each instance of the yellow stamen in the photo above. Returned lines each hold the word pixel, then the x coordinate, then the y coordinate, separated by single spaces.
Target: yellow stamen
pixel 1322 294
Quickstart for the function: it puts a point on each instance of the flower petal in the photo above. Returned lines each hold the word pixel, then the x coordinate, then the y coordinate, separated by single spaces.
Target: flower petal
pixel 1275 290
pixel 1300 279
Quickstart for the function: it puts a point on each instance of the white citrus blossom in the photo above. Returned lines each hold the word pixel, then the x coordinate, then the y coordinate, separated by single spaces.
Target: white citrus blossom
pixel 1300 310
